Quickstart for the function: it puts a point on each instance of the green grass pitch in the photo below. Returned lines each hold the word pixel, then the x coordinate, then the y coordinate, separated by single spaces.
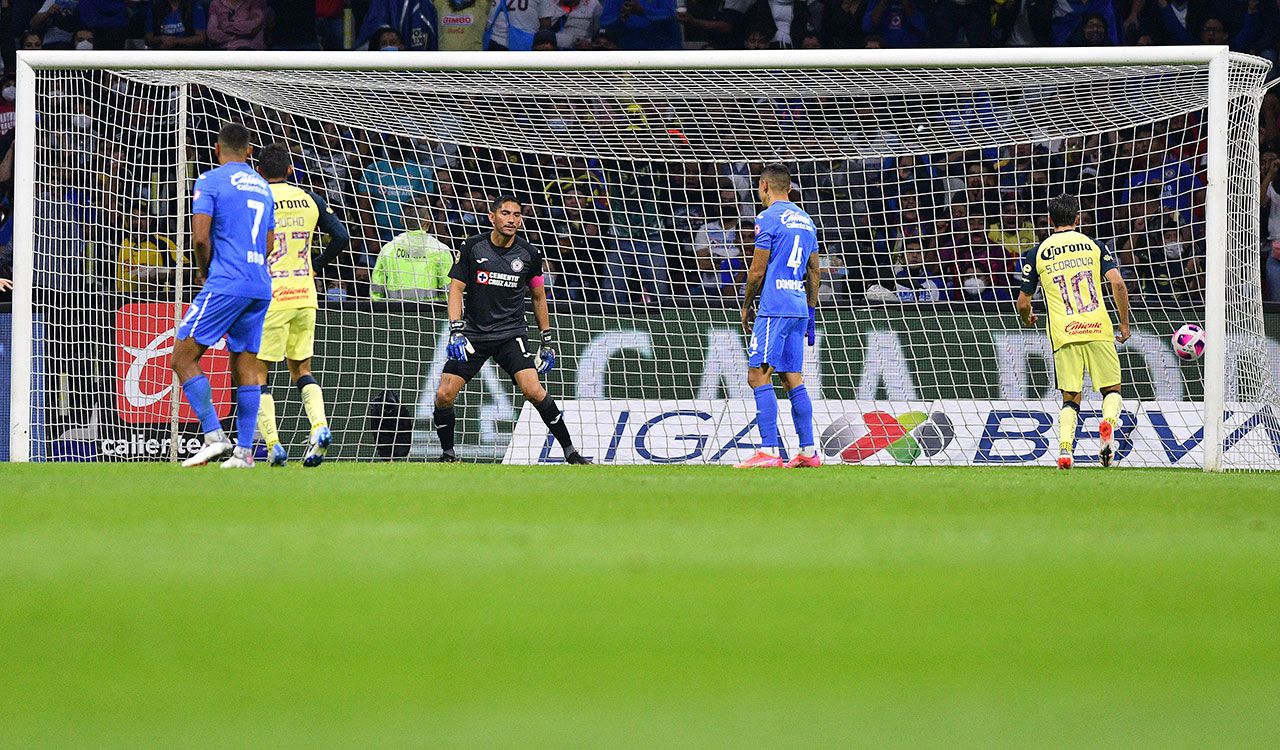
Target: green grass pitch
pixel 364 606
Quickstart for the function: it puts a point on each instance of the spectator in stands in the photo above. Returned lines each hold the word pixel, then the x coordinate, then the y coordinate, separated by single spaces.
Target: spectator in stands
pixel 1213 30
pixel 637 268
pixel 580 246
pixel 387 40
pixel 896 23
pixel 706 24
pixel 332 163
pixel 83 40
pixel 145 260
pixel 545 41
pixel 718 253
pixel 1271 227
pixel 177 24
pixel 1070 17
pixel 414 21
pixel 1022 23
pixel 462 23
pixel 8 93
pixel 389 185
pixel 1174 177
pixel 955 21
pixel 108 20
pixel 56 21
pixel 574 22
pixel 330 23
pixel 415 264
pixel 1013 229
pixel 513 25
pixel 1175 21
pixel 467 214
pixel 756 39
pixel 1096 32
pixel 642 24
pixel 237 24
pixel 916 280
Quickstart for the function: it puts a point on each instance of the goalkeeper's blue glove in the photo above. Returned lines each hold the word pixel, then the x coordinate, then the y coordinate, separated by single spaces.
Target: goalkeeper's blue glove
pixel 458 344
pixel 811 330
pixel 546 355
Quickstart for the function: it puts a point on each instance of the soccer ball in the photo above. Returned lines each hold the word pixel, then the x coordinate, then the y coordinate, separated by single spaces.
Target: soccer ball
pixel 1188 341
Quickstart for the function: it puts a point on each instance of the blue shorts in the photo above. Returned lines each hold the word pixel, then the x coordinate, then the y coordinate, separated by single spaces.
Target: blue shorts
pixel 213 315
pixel 778 343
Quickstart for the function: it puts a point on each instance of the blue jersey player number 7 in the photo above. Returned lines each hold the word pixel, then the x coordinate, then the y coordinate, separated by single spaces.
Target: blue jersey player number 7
pixel 783 278
pixel 232 225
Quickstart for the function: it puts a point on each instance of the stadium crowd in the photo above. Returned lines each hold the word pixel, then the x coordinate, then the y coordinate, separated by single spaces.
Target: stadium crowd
pixel 943 227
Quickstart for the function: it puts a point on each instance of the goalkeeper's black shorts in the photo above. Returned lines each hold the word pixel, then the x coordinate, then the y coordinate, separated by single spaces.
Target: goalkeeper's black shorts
pixel 512 355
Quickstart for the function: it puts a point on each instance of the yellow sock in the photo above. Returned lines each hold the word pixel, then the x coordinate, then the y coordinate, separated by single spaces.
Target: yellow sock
pixel 1111 404
pixel 267 420
pixel 313 402
pixel 1067 427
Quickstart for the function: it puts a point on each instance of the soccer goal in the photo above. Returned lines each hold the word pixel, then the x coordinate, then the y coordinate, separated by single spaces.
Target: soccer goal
pixel 927 172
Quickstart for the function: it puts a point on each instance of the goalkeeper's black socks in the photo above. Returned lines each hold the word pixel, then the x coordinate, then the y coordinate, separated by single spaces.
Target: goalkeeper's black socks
pixel 554 418
pixel 444 419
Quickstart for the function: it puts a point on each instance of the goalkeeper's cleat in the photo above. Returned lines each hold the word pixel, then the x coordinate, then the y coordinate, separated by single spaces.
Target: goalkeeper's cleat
pixel 801 461
pixel 1064 459
pixel 577 458
pixel 241 458
pixel 449 457
pixel 208 452
pixel 320 440
pixel 761 460
pixel 278 455
pixel 1107 432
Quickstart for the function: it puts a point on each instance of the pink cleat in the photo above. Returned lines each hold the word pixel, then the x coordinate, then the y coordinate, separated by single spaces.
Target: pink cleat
pixel 761 460
pixel 801 461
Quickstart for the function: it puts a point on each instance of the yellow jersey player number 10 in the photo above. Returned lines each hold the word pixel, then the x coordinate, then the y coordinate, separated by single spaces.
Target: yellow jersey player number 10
pixel 1070 267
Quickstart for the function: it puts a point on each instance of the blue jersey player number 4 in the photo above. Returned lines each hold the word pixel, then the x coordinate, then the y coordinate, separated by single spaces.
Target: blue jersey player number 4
pixel 232 225
pixel 784 278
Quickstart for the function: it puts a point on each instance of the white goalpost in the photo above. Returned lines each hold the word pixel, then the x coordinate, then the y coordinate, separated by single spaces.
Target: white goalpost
pixel 927 173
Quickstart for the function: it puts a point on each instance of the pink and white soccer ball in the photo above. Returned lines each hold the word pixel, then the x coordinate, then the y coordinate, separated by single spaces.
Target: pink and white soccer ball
pixel 1188 341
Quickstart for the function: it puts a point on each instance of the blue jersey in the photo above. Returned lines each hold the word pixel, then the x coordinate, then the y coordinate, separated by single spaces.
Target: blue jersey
pixel 243 212
pixel 788 234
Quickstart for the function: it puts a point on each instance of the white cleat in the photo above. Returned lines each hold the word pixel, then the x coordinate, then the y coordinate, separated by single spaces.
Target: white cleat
pixel 208 452
pixel 242 458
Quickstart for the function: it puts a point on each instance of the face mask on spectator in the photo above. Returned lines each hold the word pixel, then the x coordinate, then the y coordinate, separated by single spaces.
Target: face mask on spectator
pixel 392 48
pixel 9 93
pixel 974 286
pixel 1173 250
pixel 82 122
pixel 84 44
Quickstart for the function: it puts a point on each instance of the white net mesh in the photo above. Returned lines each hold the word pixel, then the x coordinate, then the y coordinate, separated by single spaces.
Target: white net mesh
pixel 926 186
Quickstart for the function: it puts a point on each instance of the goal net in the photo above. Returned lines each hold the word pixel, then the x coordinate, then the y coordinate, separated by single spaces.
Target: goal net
pixel 927 173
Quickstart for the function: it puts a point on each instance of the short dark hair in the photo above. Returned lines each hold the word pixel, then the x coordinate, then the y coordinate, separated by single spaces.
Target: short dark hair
pixel 235 137
pixel 274 161
pixel 504 198
pixel 777 176
pixel 1063 209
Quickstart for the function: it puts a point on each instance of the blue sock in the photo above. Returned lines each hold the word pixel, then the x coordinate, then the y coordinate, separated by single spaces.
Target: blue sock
pixel 248 397
pixel 802 415
pixel 767 415
pixel 200 395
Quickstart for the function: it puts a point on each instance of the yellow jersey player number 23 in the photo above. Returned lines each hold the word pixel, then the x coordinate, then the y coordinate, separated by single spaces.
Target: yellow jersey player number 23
pixel 1071 266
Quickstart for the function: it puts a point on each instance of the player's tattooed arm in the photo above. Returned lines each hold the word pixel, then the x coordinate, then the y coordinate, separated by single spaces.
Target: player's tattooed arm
pixel 755 280
pixel 1025 312
pixel 201 225
pixel 1121 291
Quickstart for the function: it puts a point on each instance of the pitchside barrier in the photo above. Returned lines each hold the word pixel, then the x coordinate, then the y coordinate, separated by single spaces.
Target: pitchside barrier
pixel 881 392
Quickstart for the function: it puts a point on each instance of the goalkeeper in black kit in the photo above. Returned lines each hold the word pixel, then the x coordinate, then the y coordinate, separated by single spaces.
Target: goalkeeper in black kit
pixel 490 280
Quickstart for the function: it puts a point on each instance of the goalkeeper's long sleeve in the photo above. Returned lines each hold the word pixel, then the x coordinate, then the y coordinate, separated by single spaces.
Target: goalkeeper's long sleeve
pixel 339 237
